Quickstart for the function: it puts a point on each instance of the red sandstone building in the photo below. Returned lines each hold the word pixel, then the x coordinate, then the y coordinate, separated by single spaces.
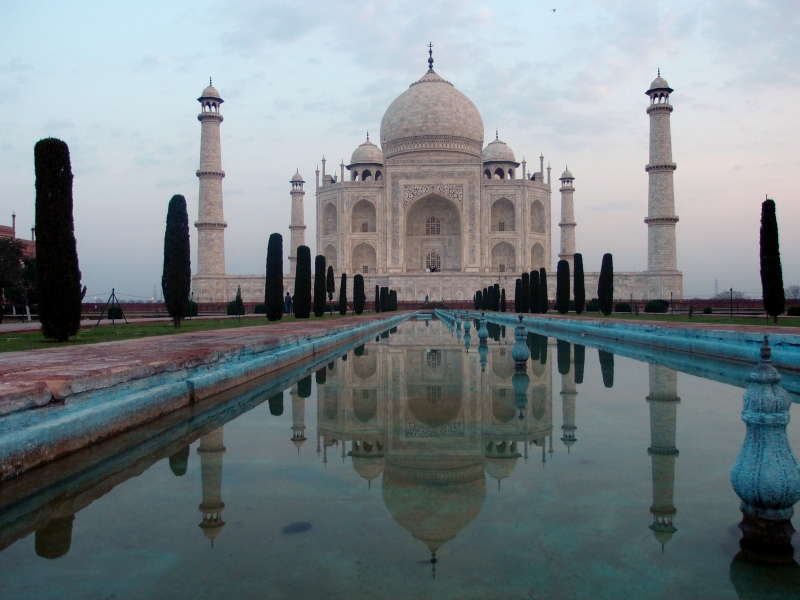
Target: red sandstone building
pixel 11 232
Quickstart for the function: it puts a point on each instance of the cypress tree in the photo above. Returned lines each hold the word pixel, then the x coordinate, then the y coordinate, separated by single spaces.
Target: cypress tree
pixel 319 286
pixel 330 284
pixel 525 291
pixel 58 277
pixel 562 287
pixel 239 302
pixel 176 277
pixel 496 297
pixel 605 286
pixel 503 300
pixel 578 285
pixel 544 302
pixel 771 272
pixel 580 362
pixel 485 303
pixel 358 294
pixel 606 367
pixel 393 298
pixel 384 299
pixel 302 283
pixel 535 293
pixel 562 356
pixel 377 299
pixel 478 300
pixel 276 404
pixel 517 294
pixel 343 293
pixel 273 295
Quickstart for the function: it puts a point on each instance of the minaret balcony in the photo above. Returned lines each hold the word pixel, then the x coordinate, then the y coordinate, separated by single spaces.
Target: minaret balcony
pixel 661 220
pixel 660 167
pixel 205 173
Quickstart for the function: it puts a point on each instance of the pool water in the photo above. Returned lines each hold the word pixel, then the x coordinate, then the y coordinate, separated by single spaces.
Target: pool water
pixel 409 467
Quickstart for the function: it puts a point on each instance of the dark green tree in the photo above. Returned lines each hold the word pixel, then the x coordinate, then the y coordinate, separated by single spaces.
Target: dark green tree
pixel 321 376
pixel 319 285
pixel 11 256
pixel 393 299
pixel 273 292
pixel 384 299
pixel 377 299
pixel 771 271
pixel 276 404
pixel 518 296
pixel 330 284
pixel 579 285
pixel 562 356
pixel 239 302
pixel 525 290
pixel 343 294
pixel 478 300
pixel 580 362
pixel 562 287
pixel 358 294
pixel 606 367
pixel 496 297
pixel 503 300
pixel 58 277
pixel 544 302
pixel 543 349
pixel 533 345
pixel 605 286
pixel 535 294
pixel 304 387
pixel 302 283
pixel 176 278
pixel 485 299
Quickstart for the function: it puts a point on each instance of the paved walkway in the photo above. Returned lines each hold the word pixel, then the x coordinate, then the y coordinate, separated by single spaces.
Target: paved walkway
pixel 25 326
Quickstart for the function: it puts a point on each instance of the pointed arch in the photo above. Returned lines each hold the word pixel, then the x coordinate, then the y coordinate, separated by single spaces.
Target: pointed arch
pixel 537 217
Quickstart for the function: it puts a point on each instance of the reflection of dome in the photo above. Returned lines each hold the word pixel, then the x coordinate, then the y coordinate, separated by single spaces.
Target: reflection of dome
pixel 369 467
pixel 367 153
pixel 212 525
pixel 662 530
pixel 498 151
pixel 500 468
pixel 434 504
pixel 431 108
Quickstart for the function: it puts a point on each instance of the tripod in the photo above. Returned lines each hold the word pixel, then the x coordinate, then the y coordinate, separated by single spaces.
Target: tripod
pixel 112 299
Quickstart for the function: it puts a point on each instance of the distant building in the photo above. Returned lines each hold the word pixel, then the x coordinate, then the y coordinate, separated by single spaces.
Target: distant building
pixel 11 232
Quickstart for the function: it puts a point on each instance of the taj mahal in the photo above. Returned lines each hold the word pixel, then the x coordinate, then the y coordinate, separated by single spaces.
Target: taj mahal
pixel 433 212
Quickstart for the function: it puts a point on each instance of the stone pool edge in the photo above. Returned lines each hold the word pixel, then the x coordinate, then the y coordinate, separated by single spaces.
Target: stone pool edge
pixel 739 346
pixel 29 438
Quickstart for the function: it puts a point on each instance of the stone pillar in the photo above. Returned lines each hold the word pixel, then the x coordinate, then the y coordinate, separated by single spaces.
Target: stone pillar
pixel 210 222
pixel 297 226
pixel 567 223
pixel 211 451
pixel 661 218
pixel 663 400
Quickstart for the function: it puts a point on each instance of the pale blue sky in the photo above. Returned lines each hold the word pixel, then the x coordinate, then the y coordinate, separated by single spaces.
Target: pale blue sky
pixel 119 81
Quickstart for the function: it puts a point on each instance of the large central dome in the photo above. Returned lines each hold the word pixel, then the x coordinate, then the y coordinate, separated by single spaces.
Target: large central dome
pixel 432 115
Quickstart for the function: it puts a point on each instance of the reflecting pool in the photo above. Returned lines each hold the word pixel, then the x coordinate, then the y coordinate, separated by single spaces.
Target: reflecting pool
pixel 415 465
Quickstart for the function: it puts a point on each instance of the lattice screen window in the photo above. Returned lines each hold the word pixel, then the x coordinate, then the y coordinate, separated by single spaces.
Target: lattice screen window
pixel 433 226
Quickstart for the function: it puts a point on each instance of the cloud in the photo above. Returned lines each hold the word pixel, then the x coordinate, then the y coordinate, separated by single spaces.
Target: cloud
pixel 15 65
pixel 58 124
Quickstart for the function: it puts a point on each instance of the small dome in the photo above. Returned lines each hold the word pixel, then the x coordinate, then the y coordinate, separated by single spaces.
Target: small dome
pixel 498 151
pixel 567 174
pixel 211 92
pixel 298 177
pixel 367 153
pixel 659 83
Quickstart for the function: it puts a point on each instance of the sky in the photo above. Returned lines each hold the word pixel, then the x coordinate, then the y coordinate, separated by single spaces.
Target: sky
pixel 118 81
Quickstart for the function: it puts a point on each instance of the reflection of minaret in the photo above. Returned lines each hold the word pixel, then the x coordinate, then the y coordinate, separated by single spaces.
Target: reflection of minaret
pixel 211 451
pixel 663 400
pixel 568 394
pixel 298 418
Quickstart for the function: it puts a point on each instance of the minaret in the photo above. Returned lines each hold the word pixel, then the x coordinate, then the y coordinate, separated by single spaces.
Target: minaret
pixel 298 418
pixel 297 226
pixel 210 222
pixel 661 218
pixel 211 451
pixel 567 223
pixel 663 400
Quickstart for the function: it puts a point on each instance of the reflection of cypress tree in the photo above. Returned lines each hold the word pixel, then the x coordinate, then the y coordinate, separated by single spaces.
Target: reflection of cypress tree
pixel 359 351
pixel 543 349
pixel 321 376
pixel 344 356
pixel 54 539
pixel 385 335
pixel 276 404
pixel 533 345
pixel 304 387
pixel 562 349
pixel 179 462
pixel 494 331
pixel 580 360
pixel 331 366
pixel 525 290
pixel 393 330
pixel 607 368
pixel 503 331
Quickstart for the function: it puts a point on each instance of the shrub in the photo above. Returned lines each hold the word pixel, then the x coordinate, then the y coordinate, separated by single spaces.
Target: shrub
pixel 655 306
pixel 622 307
pixel 793 311
pixel 114 312
pixel 176 278
pixel 260 309
pixel 273 293
pixel 58 277
pixel 708 310
pixel 593 306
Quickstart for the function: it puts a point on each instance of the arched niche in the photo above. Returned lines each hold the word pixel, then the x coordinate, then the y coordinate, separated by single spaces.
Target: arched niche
pixel 363 218
pixel 329 219
pixel 422 239
pixel 537 217
pixel 504 258
pixel 365 404
pixel 502 215
pixel 331 257
pixel 366 365
pixel 537 256
pixel 364 259
pixel 503 409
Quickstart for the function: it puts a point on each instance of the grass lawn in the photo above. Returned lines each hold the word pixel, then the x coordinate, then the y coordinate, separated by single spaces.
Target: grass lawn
pixel 719 319
pixel 34 340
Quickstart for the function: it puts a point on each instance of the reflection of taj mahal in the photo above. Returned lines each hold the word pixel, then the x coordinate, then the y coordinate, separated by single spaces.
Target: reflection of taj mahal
pixel 434 212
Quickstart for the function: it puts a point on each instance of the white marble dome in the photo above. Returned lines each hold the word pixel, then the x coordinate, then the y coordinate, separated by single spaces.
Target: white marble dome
pixel 210 92
pixel 659 83
pixel 498 151
pixel 367 153
pixel 298 177
pixel 432 109
pixel 567 174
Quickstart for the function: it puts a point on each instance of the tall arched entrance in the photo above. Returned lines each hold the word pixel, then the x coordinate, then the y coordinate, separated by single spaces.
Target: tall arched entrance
pixel 433 235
